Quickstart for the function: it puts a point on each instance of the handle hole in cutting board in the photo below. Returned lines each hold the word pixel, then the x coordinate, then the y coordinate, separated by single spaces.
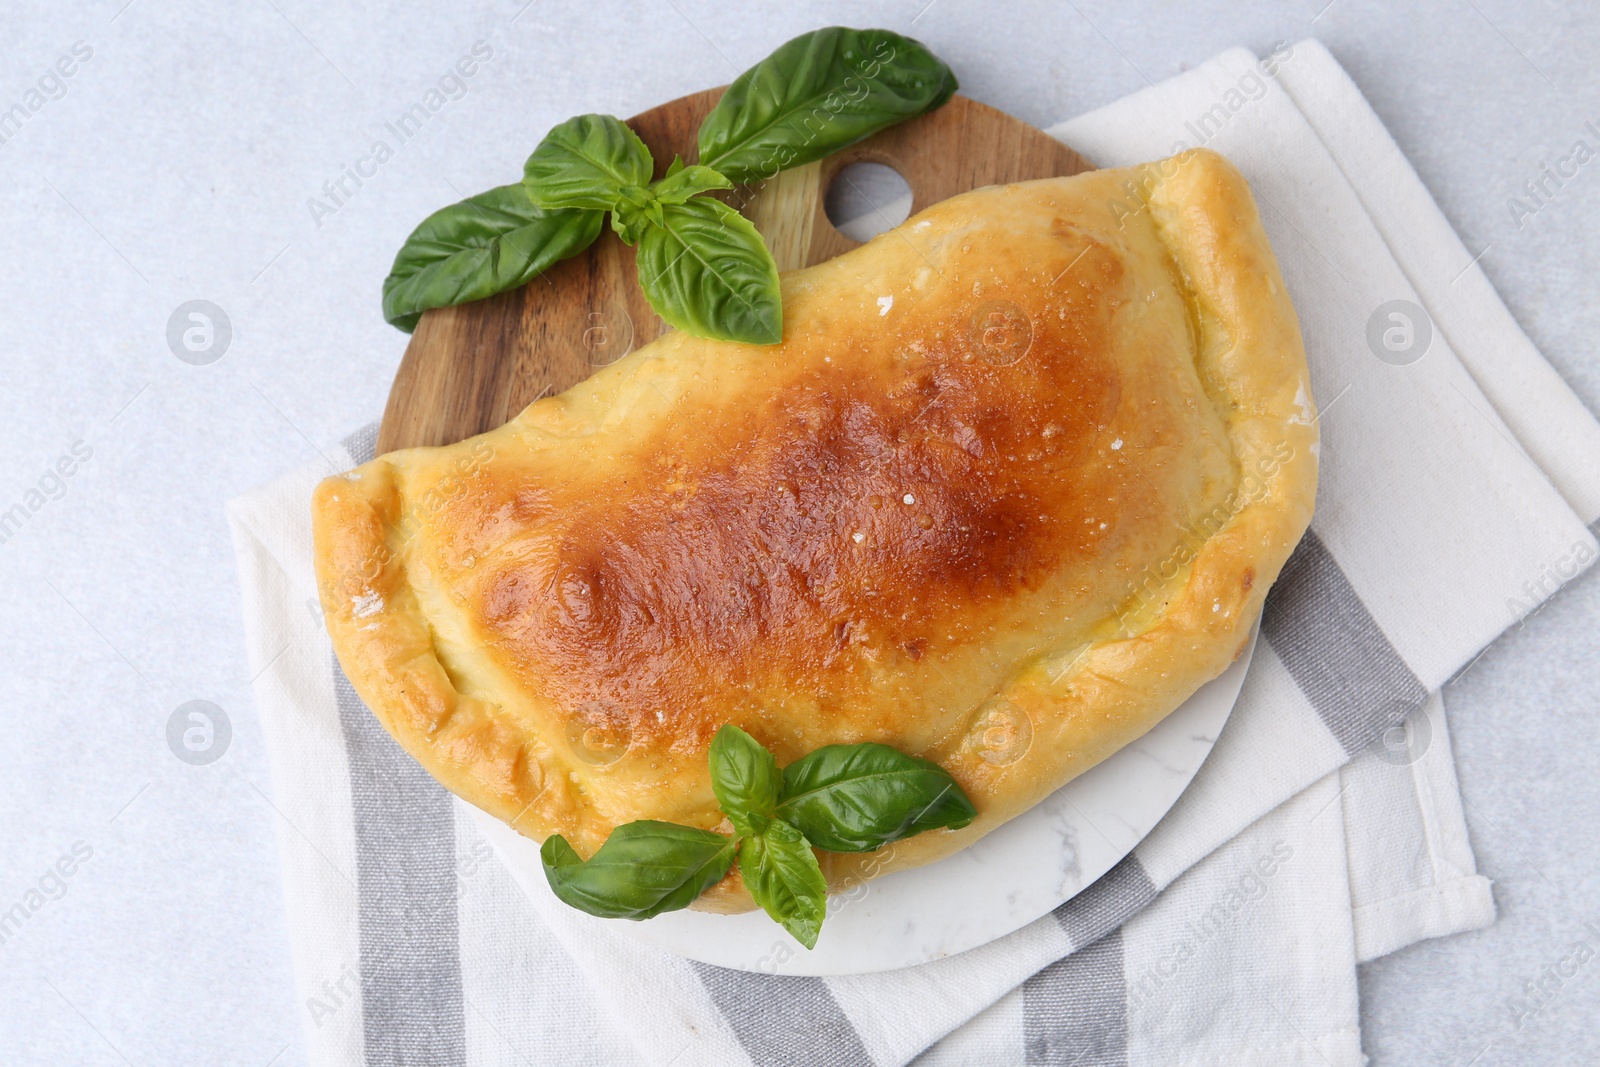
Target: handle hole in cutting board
pixel 865 199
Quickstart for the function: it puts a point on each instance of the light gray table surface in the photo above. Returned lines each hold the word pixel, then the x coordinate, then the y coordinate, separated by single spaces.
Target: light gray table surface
pixel 176 163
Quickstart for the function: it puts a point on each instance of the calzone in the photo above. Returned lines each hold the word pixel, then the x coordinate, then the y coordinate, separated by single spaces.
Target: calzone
pixel 1012 486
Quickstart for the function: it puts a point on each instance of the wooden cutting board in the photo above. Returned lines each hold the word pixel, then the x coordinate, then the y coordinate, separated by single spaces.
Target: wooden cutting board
pixel 471 368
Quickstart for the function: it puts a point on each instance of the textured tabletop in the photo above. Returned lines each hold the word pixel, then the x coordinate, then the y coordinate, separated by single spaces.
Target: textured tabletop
pixel 157 152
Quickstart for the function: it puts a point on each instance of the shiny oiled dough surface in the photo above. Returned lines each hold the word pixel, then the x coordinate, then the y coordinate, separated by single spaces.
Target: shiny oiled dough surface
pixel 1011 488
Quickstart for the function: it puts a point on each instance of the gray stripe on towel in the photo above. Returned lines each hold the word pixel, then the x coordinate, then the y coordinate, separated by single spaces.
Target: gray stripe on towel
pixel 1335 651
pixel 785 1020
pixel 1112 900
pixel 1075 1011
pixel 362 444
pixel 406 889
pixel 411 997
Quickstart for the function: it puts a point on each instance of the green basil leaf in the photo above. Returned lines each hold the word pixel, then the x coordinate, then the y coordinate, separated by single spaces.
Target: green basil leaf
pixel 745 778
pixel 854 798
pixel 485 244
pixel 707 271
pixel 636 209
pixel 586 162
pixel 643 869
pixel 685 182
pixel 815 95
pixel 782 874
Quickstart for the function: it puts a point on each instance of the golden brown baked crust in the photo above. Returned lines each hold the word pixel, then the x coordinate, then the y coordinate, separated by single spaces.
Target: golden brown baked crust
pixel 1011 489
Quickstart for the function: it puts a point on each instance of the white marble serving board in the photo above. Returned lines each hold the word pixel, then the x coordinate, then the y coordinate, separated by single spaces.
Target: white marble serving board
pixel 1006 880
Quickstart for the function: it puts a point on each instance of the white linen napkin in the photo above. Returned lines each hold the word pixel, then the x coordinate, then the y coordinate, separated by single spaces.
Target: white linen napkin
pixel 1457 481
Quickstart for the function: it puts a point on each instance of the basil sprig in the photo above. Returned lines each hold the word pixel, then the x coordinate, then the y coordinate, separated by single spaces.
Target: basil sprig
pixel 816 94
pixel 783 876
pixel 745 779
pixel 587 162
pixel 703 266
pixel 854 798
pixel 841 798
pixel 484 245
pixel 643 869
pixel 705 269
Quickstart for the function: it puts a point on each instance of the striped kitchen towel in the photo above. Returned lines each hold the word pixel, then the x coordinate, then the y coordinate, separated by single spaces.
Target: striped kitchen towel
pixel 1458 482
